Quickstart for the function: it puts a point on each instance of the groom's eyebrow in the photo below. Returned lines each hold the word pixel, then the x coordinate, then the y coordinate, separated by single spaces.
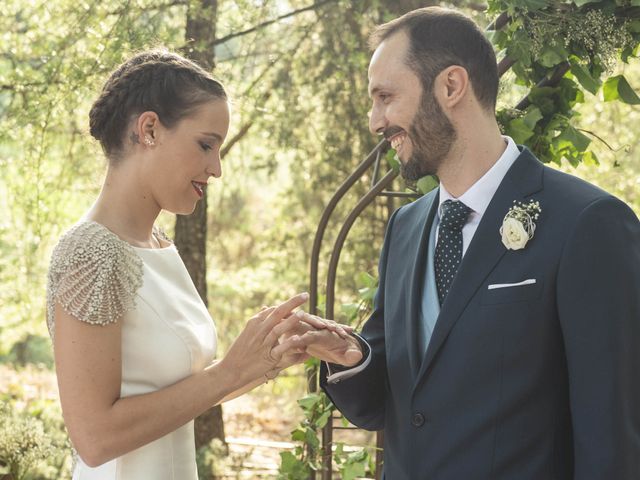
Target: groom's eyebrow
pixel 377 89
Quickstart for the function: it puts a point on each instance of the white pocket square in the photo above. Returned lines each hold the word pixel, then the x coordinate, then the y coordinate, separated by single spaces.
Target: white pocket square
pixel 529 281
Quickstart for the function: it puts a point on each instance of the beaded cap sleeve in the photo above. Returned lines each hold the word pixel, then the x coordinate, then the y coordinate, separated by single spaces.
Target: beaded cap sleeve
pixel 93 274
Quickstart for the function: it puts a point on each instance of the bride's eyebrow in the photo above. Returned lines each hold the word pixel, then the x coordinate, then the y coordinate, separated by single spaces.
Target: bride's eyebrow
pixel 217 136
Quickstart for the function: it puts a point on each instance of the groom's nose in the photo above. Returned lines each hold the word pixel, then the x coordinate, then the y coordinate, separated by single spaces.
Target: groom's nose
pixel 377 121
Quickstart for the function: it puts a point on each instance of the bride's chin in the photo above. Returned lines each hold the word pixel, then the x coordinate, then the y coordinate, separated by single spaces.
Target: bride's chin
pixel 182 209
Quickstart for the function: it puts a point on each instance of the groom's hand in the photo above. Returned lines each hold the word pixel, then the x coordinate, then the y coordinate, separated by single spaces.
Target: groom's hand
pixel 329 341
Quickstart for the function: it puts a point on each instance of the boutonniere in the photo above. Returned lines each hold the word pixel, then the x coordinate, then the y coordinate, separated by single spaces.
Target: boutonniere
pixel 518 225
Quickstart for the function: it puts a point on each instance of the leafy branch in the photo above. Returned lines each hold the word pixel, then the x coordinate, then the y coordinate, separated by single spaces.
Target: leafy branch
pixel 264 24
pixel 562 50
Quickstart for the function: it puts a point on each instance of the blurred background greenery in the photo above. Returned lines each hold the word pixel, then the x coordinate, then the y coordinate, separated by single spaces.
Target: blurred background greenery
pixel 297 74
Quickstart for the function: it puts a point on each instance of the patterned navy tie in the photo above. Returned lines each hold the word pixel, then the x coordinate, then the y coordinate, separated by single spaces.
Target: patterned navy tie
pixel 448 253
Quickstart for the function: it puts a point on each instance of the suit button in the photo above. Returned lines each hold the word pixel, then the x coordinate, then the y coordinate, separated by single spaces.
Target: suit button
pixel 417 419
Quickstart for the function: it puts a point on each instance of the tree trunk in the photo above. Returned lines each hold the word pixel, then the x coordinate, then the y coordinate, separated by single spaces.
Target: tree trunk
pixel 191 230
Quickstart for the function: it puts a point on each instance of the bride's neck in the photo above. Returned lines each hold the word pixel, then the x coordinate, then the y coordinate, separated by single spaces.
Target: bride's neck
pixel 125 205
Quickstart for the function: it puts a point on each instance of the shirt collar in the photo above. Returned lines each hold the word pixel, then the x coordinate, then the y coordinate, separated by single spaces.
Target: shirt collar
pixel 478 196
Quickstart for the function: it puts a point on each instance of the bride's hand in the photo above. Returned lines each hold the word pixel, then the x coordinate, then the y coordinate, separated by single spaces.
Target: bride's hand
pixel 259 351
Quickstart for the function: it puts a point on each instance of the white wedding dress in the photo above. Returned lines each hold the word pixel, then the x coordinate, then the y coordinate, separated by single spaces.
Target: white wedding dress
pixel 167 332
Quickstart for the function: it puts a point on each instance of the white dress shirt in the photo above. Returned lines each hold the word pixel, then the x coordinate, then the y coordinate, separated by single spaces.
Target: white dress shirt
pixel 477 198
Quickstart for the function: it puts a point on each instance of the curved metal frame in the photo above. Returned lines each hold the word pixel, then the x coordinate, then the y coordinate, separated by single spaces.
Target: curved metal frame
pixel 378 187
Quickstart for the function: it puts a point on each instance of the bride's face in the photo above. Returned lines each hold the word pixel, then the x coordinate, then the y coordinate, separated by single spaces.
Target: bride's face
pixel 186 156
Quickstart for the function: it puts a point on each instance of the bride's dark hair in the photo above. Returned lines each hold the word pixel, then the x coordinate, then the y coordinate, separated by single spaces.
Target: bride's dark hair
pixel 155 80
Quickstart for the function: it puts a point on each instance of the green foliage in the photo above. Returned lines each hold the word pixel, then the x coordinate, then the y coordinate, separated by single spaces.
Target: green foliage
pixel 29 446
pixel 426 184
pixel 352 464
pixel 617 88
pixel 298 464
pixel 305 458
pixel 356 313
pixel 543 36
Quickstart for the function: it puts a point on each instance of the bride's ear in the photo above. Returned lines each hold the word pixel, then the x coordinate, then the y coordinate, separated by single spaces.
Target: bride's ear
pixel 146 129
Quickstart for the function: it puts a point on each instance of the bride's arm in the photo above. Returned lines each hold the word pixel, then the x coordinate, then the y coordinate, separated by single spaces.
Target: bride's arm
pixel 103 426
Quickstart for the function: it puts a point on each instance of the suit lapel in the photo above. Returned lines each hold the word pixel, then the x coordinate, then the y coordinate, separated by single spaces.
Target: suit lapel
pixel 417 279
pixel 486 249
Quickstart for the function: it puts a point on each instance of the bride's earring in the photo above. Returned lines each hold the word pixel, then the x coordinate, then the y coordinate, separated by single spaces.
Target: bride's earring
pixel 148 141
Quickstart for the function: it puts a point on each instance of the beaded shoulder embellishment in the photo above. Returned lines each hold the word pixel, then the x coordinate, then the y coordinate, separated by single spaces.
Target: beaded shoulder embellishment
pixel 93 274
pixel 160 233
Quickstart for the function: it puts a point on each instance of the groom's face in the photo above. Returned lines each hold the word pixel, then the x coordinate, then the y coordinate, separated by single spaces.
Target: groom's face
pixel 404 112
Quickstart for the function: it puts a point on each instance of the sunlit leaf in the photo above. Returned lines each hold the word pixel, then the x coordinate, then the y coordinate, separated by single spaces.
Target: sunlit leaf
pixel 427 183
pixel 618 88
pixel 309 401
pixel 552 56
pixel 584 76
pixel 532 117
pixel 519 131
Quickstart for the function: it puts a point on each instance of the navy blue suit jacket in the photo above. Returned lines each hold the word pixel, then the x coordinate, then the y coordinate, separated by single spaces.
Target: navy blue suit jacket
pixel 535 382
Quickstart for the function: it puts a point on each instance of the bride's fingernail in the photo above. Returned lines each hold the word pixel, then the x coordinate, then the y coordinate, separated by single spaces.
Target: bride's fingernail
pixel 304 296
pixel 300 314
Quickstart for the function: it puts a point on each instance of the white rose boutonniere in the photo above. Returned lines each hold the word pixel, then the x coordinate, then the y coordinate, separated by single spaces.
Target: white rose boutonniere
pixel 519 224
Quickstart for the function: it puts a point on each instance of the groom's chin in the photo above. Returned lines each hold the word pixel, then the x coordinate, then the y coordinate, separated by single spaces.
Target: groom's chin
pixel 414 170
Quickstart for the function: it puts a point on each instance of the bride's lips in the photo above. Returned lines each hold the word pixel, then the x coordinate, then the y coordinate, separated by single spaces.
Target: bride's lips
pixel 199 187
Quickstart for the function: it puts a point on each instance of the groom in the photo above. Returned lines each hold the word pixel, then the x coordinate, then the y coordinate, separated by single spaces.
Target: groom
pixel 493 352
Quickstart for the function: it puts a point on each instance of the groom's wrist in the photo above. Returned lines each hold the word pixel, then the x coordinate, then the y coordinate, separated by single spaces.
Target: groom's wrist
pixel 337 373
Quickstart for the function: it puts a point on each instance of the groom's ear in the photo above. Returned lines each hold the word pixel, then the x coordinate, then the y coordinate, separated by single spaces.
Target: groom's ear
pixel 451 87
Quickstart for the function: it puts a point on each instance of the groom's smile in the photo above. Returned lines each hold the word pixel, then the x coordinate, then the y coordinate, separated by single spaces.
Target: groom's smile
pixel 396 137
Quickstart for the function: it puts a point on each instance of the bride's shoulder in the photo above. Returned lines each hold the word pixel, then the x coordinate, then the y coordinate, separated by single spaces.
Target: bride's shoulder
pixel 91 242
pixel 94 274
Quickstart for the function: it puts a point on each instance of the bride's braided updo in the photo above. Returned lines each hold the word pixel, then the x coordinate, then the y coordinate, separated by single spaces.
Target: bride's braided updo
pixel 156 80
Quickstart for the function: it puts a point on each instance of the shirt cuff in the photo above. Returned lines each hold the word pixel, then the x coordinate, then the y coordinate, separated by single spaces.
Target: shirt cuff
pixel 344 373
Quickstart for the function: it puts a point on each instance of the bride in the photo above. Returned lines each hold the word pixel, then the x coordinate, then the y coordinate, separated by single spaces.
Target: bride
pixel 134 344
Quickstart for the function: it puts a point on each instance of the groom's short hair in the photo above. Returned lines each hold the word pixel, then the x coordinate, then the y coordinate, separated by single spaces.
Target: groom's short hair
pixel 439 38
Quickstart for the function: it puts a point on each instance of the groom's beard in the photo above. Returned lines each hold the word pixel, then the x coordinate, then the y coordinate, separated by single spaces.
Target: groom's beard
pixel 432 135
